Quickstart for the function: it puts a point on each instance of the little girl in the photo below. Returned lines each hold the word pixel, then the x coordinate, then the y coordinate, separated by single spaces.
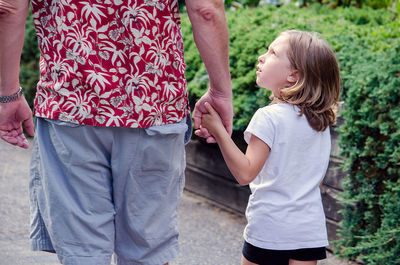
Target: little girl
pixel 288 151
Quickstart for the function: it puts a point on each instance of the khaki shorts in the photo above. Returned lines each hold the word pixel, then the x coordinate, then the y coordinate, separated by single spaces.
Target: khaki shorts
pixel 99 190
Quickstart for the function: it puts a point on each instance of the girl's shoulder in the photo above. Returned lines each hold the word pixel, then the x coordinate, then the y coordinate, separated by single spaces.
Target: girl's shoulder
pixel 279 110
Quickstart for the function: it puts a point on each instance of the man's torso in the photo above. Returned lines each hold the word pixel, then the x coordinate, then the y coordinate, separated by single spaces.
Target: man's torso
pixel 110 63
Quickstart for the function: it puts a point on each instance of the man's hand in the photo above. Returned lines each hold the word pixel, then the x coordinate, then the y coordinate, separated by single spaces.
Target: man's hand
pixel 12 115
pixel 213 123
pixel 222 104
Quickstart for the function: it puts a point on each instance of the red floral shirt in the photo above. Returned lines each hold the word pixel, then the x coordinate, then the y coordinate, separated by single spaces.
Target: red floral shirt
pixel 115 63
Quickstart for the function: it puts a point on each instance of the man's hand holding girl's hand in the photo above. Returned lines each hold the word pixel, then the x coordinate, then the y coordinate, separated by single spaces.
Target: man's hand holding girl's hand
pixel 212 122
pixel 221 104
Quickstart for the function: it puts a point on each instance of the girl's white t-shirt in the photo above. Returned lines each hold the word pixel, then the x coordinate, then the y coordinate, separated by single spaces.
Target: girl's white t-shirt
pixel 285 208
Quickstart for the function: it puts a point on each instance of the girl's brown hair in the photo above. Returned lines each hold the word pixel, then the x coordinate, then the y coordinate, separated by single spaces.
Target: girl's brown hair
pixel 317 90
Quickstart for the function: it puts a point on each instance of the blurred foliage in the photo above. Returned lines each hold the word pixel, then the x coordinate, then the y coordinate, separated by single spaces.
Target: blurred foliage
pixel 29 73
pixel 376 4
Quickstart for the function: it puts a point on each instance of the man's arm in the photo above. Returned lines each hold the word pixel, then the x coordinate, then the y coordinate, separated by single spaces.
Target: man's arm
pixel 12 30
pixel 210 32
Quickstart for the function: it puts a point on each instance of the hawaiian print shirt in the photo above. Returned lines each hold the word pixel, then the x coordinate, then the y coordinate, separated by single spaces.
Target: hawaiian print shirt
pixel 114 63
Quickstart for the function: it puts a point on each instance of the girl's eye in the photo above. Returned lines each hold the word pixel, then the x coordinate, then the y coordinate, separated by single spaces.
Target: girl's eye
pixel 271 51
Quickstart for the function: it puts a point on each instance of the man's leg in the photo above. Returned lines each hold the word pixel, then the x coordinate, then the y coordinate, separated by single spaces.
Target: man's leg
pixel 71 194
pixel 148 175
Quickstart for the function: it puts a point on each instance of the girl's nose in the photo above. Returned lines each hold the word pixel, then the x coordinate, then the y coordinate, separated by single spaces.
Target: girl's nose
pixel 261 59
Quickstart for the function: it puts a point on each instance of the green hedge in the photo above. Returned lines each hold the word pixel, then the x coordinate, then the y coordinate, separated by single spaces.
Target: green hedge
pixel 332 3
pixel 370 139
pixel 29 74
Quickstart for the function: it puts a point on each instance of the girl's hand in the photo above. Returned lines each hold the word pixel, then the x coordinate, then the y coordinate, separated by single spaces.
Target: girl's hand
pixel 212 121
pixel 222 104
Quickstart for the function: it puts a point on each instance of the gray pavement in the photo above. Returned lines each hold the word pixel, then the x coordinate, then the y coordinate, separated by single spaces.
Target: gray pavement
pixel 209 235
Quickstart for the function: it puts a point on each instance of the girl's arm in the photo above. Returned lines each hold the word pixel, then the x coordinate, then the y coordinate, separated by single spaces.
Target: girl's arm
pixel 244 167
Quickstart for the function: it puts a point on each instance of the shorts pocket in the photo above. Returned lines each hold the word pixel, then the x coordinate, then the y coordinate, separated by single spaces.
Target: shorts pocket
pixel 162 147
pixel 158 152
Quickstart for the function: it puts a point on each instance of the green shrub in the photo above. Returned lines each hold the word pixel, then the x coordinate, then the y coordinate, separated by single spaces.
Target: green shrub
pixel 376 4
pixel 370 139
pixel 382 246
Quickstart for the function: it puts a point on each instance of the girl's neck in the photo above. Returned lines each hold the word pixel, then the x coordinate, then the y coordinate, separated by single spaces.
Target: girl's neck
pixel 275 100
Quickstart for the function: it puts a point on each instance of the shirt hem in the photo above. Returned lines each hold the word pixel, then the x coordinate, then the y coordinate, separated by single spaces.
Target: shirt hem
pixel 123 125
pixel 285 245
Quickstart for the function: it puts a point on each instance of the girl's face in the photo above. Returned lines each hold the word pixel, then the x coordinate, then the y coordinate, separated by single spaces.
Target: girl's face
pixel 274 70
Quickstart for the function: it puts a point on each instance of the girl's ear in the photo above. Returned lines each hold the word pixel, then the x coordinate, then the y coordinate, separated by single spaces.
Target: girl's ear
pixel 293 76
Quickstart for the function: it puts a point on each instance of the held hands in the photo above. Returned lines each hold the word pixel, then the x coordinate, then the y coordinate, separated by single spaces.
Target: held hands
pixel 12 115
pixel 212 122
pixel 223 109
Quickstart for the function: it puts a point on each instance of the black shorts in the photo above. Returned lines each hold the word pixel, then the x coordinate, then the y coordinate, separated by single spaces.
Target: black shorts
pixel 281 257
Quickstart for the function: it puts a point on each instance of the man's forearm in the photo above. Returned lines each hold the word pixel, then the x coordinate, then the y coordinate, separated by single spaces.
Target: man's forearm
pixel 211 35
pixel 12 30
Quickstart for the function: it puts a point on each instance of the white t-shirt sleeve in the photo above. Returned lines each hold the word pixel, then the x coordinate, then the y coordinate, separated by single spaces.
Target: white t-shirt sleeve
pixel 262 126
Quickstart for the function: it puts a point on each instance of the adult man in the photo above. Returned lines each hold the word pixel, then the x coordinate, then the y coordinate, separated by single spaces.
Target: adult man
pixel 111 106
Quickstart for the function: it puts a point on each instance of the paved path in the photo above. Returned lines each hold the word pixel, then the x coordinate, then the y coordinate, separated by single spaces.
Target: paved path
pixel 209 235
